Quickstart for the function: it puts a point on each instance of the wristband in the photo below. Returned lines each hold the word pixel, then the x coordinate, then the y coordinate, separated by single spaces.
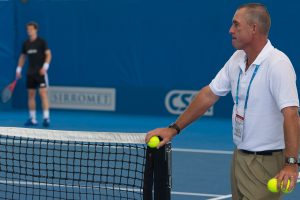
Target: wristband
pixel 19 70
pixel 46 66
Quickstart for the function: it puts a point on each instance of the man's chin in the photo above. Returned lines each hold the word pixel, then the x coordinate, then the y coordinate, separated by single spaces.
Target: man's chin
pixel 236 46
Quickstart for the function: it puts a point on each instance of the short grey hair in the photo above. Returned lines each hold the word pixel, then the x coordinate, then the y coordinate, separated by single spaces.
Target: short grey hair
pixel 259 14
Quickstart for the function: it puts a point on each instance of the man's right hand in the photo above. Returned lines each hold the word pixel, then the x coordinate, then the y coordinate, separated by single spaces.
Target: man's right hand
pixel 19 72
pixel 18 75
pixel 166 134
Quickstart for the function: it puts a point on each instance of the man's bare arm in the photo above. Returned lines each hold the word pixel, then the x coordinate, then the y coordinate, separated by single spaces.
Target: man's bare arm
pixel 291 138
pixel 201 103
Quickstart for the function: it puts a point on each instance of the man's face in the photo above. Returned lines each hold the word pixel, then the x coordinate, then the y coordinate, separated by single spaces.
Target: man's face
pixel 241 32
pixel 31 31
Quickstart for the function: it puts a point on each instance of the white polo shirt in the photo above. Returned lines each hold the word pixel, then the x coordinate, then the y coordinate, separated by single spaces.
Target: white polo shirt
pixel 273 88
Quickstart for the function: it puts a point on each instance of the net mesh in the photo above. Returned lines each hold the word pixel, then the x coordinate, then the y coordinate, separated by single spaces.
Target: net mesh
pixel 41 164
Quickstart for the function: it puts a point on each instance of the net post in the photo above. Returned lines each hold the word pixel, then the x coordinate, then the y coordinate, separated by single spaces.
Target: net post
pixel 163 173
pixel 148 174
pixel 158 173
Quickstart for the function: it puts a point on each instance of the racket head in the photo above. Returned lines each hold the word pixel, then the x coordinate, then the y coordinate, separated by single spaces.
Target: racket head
pixel 6 94
pixel 8 91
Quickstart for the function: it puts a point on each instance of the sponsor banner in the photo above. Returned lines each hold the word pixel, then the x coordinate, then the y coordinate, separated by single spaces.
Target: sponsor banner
pixel 177 101
pixel 82 98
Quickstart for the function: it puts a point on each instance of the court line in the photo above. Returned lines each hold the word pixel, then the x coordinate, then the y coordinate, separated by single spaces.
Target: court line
pixel 202 151
pixel 19 182
pixel 222 197
pixel 195 194
pixel 14 182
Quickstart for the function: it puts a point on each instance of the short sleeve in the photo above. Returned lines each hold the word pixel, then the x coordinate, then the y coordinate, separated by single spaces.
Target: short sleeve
pixel 44 45
pixel 221 84
pixel 283 84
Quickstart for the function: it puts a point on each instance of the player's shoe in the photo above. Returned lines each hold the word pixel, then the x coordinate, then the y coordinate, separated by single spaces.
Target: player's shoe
pixel 31 122
pixel 46 123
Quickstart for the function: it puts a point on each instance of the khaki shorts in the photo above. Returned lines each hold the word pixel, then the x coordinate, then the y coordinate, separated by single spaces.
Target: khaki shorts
pixel 250 174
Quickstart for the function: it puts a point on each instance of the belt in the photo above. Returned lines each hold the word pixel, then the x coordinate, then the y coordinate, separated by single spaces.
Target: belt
pixel 263 153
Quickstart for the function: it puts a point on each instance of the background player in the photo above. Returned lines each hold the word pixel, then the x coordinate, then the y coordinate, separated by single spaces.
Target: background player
pixel 39 56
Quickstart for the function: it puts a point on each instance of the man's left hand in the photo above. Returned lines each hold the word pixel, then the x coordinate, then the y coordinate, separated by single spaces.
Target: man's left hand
pixel 288 172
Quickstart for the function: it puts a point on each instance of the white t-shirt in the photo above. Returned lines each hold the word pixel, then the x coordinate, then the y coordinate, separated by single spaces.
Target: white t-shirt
pixel 273 88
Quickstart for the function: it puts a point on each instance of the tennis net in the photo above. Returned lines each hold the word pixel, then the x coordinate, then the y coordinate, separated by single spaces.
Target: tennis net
pixel 54 164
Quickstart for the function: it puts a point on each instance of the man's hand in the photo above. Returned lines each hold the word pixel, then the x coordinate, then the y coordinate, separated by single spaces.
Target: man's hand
pixel 166 134
pixel 287 172
pixel 43 71
pixel 18 75
pixel 18 72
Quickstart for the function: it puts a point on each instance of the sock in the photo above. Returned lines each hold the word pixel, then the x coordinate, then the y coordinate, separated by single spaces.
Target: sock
pixel 46 114
pixel 32 115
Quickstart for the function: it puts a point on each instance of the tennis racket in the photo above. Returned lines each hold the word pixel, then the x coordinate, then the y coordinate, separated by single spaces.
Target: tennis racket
pixel 7 92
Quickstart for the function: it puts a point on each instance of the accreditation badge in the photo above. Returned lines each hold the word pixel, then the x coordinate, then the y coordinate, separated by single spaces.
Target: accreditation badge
pixel 239 128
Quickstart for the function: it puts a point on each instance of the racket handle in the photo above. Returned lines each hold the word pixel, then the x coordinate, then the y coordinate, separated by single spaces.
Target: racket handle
pixel 13 85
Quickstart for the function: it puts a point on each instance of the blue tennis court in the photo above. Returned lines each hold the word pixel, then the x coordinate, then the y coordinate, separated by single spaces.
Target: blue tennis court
pixel 201 155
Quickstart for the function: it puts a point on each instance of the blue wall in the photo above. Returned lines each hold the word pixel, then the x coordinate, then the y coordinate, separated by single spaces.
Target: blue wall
pixel 7 44
pixel 142 48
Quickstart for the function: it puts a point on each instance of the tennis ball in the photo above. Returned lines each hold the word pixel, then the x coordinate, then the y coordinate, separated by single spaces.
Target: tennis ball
pixel 287 187
pixel 153 142
pixel 272 186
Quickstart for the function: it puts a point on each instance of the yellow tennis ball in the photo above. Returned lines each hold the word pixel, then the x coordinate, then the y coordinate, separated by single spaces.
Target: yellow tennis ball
pixel 153 142
pixel 272 185
pixel 287 187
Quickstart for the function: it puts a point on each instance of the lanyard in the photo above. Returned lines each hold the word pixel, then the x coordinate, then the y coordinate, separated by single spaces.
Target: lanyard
pixel 238 87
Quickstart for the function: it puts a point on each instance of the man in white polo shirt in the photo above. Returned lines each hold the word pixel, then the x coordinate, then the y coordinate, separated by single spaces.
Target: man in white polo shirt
pixel 262 82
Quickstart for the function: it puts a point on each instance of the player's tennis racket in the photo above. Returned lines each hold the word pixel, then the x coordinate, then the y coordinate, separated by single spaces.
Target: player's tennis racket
pixel 8 91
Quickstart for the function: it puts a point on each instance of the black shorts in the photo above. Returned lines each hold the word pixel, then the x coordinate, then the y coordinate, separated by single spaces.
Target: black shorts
pixel 36 81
